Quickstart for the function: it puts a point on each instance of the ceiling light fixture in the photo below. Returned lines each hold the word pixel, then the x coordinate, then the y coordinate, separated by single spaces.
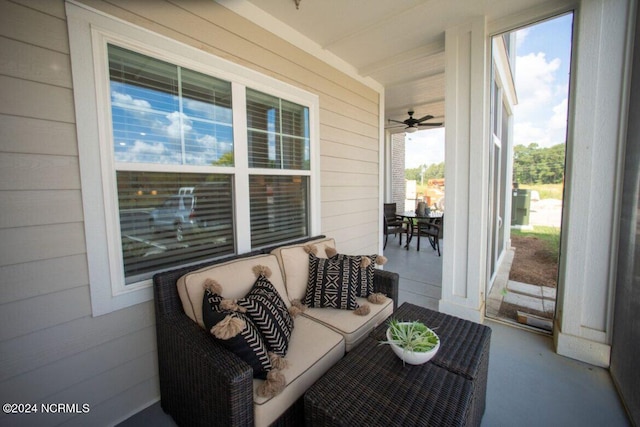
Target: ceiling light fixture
pixel 411 129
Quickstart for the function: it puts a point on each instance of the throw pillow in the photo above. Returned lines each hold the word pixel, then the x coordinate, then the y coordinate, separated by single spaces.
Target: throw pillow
pixel 332 282
pixel 237 333
pixel 269 313
pixel 364 278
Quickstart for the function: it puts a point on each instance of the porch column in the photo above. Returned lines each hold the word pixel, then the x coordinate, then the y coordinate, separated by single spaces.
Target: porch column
pixel 464 268
pixel 593 181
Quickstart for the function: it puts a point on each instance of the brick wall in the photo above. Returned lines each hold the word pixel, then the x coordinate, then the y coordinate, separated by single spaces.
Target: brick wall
pixel 398 187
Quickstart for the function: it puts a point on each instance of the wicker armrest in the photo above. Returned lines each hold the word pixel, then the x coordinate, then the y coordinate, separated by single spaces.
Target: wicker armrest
pixel 201 382
pixel 387 282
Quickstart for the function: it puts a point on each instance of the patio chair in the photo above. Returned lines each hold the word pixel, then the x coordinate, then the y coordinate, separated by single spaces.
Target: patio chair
pixel 431 229
pixel 393 224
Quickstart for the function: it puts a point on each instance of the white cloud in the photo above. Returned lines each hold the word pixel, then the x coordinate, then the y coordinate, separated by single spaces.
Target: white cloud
pixel 541 113
pixel 127 101
pixel 174 129
pixel 424 147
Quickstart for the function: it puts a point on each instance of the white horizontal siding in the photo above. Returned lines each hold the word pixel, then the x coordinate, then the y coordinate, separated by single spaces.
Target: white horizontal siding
pixel 53 350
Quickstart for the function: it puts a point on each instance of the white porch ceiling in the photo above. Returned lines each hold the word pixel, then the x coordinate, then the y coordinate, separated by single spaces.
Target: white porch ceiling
pixel 398 43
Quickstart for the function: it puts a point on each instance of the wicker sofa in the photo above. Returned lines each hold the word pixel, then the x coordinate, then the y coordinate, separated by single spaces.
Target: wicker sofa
pixel 203 383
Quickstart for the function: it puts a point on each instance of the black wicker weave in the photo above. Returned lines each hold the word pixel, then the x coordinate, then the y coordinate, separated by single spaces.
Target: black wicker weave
pixel 371 387
pixel 202 383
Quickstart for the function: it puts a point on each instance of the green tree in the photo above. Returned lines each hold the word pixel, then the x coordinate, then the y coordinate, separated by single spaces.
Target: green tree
pixel 533 164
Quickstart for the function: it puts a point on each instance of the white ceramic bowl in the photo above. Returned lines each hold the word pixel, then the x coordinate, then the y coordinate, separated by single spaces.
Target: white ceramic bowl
pixel 412 357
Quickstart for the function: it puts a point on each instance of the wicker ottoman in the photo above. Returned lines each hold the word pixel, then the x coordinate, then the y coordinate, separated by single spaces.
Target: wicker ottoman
pixel 371 387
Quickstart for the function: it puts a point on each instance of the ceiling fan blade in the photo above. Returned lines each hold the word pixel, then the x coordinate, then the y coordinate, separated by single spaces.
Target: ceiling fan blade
pixel 396 121
pixel 430 124
pixel 422 119
pixel 395 126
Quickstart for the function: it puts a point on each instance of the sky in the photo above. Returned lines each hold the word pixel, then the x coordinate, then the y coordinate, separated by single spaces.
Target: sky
pixel 543 58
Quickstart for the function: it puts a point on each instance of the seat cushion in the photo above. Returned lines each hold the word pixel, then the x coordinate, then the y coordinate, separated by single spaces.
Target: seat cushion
pixel 313 349
pixel 353 328
pixel 236 278
pixel 294 261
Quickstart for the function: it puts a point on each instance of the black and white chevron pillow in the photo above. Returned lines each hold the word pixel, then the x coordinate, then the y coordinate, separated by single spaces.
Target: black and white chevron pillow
pixel 248 344
pixel 269 313
pixel 333 282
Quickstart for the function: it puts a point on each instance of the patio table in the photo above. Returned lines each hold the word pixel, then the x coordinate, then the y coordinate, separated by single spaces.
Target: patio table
pixel 411 216
pixel 371 387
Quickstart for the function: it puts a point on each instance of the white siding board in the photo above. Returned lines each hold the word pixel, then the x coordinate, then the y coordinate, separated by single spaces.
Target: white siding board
pixel 348 193
pixel 350 220
pixel 347 138
pixel 38 100
pixel 28 352
pixel 337 208
pixel 42 242
pixel 24 208
pixel 33 314
pixel 337 179
pixel 343 122
pixel 336 164
pixel 53 8
pixel 38 172
pixel 333 149
pixel 30 279
pixel 31 62
pixel 75 369
pixel 26 135
pixel 112 383
pixel 34 27
pixel 106 412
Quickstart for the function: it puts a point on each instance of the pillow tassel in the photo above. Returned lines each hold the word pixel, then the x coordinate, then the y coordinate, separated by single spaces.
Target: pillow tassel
pixel 377 298
pixel 231 305
pixel 262 270
pixel 212 286
pixel 331 252
pixel 310 249
pixel 278 362
pixel 381 260
pixel 273 385
pixel 365 262
pixel 228 328
pixel 363 310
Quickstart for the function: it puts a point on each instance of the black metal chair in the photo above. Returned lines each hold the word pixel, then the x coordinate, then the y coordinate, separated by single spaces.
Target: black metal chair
pixel 431 229
pixel 393 224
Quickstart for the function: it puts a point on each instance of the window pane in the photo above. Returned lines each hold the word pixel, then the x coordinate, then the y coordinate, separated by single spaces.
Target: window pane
pixel 278 132
pixel 165 114
pixel 171 219
pixel 279 208
pixel 207 119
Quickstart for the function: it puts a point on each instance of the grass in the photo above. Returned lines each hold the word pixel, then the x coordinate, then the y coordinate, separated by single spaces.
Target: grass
pixel 546 191
pixel 549 235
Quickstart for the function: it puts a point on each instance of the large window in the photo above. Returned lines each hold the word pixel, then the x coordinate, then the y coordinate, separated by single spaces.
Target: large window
pixel 184 157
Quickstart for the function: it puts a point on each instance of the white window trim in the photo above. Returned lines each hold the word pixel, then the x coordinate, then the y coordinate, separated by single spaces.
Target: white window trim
pixel 89 30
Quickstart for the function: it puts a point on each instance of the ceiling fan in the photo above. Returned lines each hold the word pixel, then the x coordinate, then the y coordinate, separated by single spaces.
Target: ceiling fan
pixel 412 125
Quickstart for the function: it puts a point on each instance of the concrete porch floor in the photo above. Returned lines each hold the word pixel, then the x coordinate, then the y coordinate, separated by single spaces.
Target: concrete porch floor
pixel 529 384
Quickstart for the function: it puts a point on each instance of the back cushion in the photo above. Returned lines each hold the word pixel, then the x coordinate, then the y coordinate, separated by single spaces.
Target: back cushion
pixel 235 277
pixel 294 261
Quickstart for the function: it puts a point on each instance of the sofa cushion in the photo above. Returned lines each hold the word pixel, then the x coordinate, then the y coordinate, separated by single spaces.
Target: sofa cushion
pixel 246 343
pixel 269 313
pixel 294 261
pixel 236 278
pixel 332 282
pixel 313 349
pixel 353 328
